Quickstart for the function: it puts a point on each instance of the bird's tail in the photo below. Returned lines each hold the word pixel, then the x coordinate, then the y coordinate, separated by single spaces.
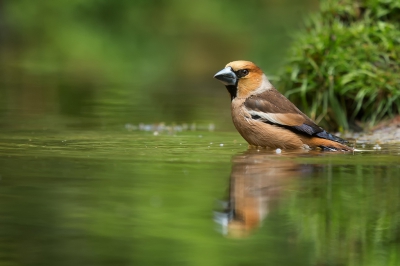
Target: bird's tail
pixel 329 136
pixel 327 144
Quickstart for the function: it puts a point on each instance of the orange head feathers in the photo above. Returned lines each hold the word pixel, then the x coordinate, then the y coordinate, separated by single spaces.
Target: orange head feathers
pixel 243 78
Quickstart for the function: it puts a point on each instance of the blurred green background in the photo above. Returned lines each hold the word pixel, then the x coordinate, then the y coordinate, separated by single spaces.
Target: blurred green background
pixel 87 63
pixel 78 188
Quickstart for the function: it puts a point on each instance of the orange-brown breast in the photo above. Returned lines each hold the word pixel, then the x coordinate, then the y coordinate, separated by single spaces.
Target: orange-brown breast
pixel 257 133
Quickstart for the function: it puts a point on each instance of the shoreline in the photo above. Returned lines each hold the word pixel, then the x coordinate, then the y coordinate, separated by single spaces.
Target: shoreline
pixel 384 133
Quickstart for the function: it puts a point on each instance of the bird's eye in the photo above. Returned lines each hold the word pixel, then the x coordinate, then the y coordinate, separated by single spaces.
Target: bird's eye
pixel 242 73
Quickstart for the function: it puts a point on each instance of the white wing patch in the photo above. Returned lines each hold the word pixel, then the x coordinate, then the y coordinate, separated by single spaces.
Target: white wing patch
pixel 279 118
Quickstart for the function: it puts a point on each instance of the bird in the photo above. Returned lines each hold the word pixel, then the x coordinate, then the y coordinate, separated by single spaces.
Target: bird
pixel 266 118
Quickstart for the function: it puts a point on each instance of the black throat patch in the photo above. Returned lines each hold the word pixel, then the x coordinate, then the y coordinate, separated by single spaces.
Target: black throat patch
pixel 232 89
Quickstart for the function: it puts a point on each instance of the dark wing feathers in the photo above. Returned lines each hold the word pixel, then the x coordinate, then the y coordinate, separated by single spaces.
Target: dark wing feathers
pixel 327 135
pixel 270 105
pixel 306 129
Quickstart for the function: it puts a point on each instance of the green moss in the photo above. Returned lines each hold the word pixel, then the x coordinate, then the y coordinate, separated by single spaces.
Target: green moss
pixel 343 67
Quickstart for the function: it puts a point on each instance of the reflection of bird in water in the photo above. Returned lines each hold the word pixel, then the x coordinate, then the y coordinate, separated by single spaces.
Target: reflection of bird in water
pixel 256 182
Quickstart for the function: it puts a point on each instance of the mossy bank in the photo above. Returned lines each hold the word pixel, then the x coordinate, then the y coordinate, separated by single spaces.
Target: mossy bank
pixel 343 68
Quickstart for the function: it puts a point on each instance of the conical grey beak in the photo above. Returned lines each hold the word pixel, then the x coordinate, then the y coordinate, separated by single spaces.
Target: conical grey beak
pixel 226 76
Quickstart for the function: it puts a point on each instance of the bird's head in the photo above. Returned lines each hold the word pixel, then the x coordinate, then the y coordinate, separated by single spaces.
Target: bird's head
pixel 243 78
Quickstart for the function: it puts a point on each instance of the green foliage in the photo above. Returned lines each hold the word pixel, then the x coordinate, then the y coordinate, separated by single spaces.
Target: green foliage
pixel 343 67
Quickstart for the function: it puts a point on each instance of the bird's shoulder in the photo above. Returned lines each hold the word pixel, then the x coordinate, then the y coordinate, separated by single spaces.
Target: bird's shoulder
pixel 272 101
pixel 272 107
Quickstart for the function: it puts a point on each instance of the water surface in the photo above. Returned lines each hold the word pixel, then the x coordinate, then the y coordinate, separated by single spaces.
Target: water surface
pixel 119 197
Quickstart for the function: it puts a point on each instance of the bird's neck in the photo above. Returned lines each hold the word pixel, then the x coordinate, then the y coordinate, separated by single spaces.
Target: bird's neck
pixel 232 89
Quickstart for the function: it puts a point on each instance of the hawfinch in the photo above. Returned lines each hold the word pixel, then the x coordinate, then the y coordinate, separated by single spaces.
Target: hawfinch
pixel 266 118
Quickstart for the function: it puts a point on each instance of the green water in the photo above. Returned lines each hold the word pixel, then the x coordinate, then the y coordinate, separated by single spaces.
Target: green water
pixel 119 197
pixel 83 182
